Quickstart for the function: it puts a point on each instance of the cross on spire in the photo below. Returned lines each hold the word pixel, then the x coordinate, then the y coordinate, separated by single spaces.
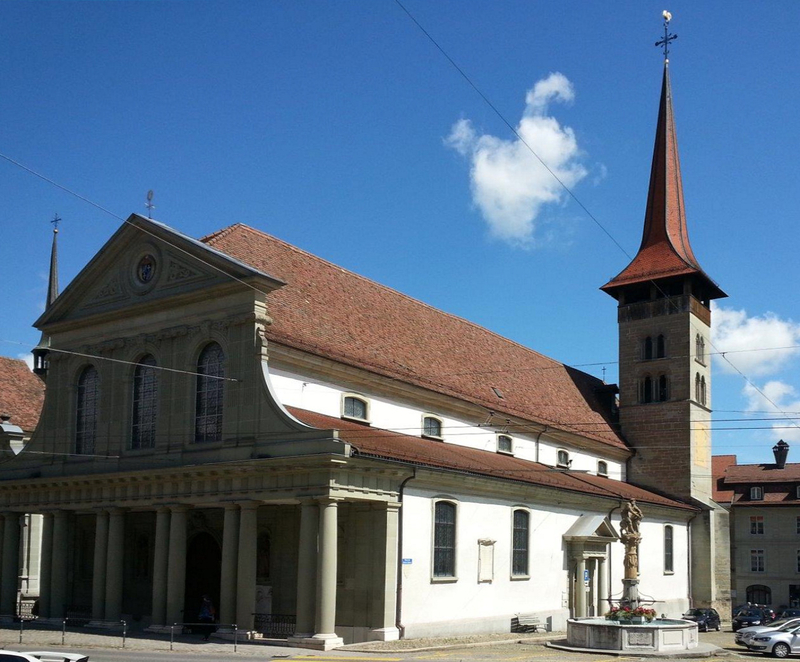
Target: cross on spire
pixel 56 220
pixel 667 36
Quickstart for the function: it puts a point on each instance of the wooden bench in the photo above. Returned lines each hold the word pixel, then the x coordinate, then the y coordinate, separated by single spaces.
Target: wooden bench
pixel 528 623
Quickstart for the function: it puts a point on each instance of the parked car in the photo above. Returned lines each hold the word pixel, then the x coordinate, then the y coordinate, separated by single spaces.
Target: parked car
pixel 780 643
pixel 706 619
pixel 41 656
pixel 790 612
pixel 750 616
pixel 744 634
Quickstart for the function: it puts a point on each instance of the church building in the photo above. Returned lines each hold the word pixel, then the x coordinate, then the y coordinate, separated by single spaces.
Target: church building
pixel 233 416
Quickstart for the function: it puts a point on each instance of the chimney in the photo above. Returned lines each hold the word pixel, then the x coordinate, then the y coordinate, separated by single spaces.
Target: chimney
pixel 781 450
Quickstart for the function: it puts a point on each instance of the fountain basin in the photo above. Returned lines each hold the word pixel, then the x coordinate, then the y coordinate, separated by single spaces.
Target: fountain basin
pixel 660 635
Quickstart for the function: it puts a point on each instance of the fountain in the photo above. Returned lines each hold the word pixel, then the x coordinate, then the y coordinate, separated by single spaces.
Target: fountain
pixel 631 627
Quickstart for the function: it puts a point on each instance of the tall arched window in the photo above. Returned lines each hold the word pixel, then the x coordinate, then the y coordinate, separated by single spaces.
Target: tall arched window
pixel 87 411
pixel 145 404
pixel 208 400
pixel 663 388
pixel 661 350
pixel 647 350
pixel 647 390
pixel 444 540
pixel 702 390
pixel 669 565
pixel 759 594
pixel 697 387
pixel 521 537
pixel 700 348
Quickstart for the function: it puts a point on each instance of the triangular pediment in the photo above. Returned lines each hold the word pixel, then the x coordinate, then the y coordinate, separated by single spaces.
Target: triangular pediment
pixel 145 263
pixel 591 527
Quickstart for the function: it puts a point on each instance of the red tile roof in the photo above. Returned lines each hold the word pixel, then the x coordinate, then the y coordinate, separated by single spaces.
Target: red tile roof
pixel 21 393
pixel 328 311
pixel 762 473
pixel 719 465
pixel 665 250
pixel 368 441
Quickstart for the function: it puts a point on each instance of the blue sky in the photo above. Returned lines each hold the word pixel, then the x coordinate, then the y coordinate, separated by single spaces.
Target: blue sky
pixel 338 126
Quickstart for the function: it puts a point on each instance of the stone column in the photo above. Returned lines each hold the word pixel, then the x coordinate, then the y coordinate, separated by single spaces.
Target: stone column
pixel 99 569
pixel 160 561
pixel 580 590
pixel 176 565
pixel 246 566
pixel 603 586
pixel 385 519
pixel 46 568
pixel 116 548
pixel 10 576
pixel 58 579
pixel 230 560
pixel 307 569
pixel 325 629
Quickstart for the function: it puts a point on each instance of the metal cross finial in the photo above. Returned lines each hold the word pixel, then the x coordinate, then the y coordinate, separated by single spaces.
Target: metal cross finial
pixel 56 220
pixel 149 204
pixel 667 36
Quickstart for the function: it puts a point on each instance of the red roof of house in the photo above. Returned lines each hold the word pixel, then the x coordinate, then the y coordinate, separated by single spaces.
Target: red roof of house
pixel 665 250
pixel 331 312
pixel 719 466
pixel 368 441
pixel 762 473
pixel 21 393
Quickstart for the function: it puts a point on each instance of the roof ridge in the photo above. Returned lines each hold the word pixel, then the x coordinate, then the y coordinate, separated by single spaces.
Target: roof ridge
pixel 226 231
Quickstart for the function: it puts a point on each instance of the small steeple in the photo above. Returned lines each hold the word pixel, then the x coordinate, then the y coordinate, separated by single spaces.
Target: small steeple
pixel 665 251
pixel 42 349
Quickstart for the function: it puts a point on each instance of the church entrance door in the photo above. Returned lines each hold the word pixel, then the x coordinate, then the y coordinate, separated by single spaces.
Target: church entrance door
pixel 203 570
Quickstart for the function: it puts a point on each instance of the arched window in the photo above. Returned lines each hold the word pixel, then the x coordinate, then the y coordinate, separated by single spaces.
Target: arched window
pixel 647 351
pixel 505 444
pixel 661 351
pixel 562 458
pixel 353 407
pixel 602 468
pixel 87 411
pixel 145 404
pixel 209 400
pixel 697 386
pixel 647 390
pixel 700 348
pixel 663 388
pixel 702 390
pixel 431 427
pixel 669 566
pixel 520 542
pixel 444 540
pixel 759 594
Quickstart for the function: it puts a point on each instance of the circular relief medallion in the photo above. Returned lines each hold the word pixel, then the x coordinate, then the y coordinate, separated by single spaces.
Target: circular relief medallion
pixel 146 269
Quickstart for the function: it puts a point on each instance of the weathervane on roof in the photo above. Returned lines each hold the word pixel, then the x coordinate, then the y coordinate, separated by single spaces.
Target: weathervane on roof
pixel 56 220
pixel 149 204
pixel 667 36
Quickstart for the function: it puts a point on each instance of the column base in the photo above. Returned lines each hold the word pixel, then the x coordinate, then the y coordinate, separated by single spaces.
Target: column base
pixel 322 642
pixel 241 635
pixel 163 629
pixel 384 634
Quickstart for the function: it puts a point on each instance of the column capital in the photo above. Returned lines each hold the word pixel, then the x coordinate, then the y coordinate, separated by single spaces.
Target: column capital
pixel 248 505
pixel 178 507
pixel 391 506
pixel 328 500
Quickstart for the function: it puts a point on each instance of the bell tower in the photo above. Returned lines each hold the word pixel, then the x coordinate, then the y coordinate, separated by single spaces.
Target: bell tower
pixel 664 316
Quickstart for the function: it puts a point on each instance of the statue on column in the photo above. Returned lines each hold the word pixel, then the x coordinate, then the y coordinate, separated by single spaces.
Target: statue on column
pixel 629 525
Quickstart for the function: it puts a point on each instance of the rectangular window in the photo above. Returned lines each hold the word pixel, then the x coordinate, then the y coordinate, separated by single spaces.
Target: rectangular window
pixel 757 560
pixel 756 525
pixel 756 494
pixel 668 550
pixel 444 540
pixel 519 561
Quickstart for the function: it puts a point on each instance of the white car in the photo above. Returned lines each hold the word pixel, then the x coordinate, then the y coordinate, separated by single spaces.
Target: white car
pixel 41 656
pixel 743 636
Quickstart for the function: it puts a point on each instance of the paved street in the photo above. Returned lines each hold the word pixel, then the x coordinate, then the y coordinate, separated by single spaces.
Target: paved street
pixel 108 648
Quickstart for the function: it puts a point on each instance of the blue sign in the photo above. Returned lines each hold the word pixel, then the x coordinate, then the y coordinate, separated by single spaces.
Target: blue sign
pixel 408 561
pixel 586 575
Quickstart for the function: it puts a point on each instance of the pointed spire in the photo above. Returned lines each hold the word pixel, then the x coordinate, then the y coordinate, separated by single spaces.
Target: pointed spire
pixel 665 251
pixel 52 285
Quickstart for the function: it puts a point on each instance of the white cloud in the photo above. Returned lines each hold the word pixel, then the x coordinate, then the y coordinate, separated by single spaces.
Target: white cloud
pixel 28 358
pixel 735 331
pixel 776 397
pixel 509 184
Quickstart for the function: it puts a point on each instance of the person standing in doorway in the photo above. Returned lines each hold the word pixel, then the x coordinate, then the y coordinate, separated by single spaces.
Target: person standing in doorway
pixel 207 616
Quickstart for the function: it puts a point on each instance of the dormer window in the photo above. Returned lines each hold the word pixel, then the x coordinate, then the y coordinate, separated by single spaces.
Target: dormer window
pixel 797 492
pixel 505 444
pixel 602 468
pixel 757 493
pixel 431 427
pixel 355 408
pixel 562 459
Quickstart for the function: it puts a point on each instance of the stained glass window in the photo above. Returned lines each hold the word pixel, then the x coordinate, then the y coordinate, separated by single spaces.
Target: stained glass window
pixel 88 407
pixel 209 400
pixel 145 404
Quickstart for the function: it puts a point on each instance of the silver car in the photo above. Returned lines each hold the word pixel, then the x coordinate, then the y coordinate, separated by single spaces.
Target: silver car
pixel 779 643
pixel 742 636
